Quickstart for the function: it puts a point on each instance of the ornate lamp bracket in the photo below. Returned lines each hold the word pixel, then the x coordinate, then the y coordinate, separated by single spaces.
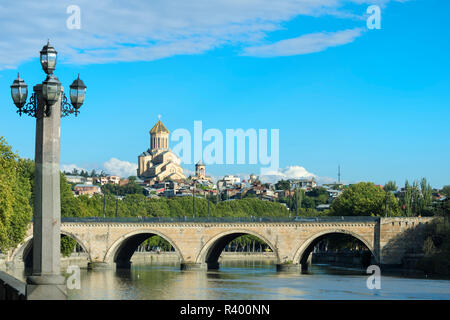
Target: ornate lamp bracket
pixel 67 108
pixel 30 107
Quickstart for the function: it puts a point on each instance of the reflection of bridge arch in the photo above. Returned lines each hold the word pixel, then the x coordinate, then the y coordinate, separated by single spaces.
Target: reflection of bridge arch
pixel 121 251
pixel 213 248
pixel 25 249
pixel 302 253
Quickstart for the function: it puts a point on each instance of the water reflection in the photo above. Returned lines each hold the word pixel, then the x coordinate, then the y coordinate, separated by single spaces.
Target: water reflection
pixel 246 280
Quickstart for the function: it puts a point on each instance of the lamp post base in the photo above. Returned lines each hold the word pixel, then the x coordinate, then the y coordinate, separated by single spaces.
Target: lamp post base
pixel 46 287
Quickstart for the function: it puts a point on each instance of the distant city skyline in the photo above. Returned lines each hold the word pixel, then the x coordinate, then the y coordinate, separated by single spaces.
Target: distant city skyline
pixel 374 102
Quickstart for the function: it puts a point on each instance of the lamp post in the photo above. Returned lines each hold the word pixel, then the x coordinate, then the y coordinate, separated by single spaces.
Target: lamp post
pixel 47 104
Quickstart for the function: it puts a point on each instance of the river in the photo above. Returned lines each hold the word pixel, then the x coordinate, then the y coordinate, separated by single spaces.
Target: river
pixel 247 280
pixel 244 280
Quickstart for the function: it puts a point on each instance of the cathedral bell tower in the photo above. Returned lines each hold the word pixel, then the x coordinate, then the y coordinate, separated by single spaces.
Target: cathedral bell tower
pixel 159 136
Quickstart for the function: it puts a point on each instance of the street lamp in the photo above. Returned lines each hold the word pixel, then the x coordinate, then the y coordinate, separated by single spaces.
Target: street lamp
pixel 77 93
pixel 48 58
pixel 19 92
pixel 47 104
pixel 51 88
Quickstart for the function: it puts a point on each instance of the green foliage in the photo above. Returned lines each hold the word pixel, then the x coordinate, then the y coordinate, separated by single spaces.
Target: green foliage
pixel 445 191
pixel 283 185
pixel 436 248
pixel 417 199
pixel 131 188
pixel 15 195
pixel 442 208
pixel 67 245
pixel 363 199
pixel 249 242
pixel 390 186
pixel 157 241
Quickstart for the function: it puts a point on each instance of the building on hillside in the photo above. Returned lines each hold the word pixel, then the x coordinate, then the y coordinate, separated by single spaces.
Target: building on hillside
pixel 75 179
pixel 303 183
pixel 113 179
pixel 86 189
pixel 107 179
pixel 123 182
pixel 159 163
pixel 253 179
pixel 200 173
pixel 284 193
pixel 228 181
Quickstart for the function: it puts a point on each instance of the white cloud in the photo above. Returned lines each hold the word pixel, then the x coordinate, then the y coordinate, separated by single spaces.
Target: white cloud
pixel 309 43
pixel 290 172
pixel 114 31
pixel 120 168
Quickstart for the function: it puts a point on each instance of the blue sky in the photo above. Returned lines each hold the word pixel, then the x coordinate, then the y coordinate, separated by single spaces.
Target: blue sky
pixel 375 102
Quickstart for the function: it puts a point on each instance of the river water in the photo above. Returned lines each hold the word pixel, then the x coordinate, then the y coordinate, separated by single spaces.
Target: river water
pixel 247 280
pixel 244 280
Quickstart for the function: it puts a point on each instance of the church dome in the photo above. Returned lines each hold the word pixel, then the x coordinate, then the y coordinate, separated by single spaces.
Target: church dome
pixel 159 128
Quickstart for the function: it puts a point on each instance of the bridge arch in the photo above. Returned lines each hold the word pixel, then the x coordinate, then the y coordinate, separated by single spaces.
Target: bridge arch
pixel 121 251
pixel 213 248
pixel 25 248
pixel 302 253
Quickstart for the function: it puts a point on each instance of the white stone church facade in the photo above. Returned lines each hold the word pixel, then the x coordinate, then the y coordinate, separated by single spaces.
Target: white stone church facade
pixel 159 163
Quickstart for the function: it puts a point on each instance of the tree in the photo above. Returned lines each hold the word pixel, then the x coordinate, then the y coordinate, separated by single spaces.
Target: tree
pixel 407 199
pixel 445 191
pixel 70 206
pixel 363 199
pixel 15 195
pixel 67 245
pixel 389 187
pixel 442 208
pixel 426 197
pixel 299 194
pixel 283 185
pixel 417 198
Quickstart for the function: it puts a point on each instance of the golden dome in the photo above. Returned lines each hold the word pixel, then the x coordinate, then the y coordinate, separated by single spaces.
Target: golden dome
pixel 159 127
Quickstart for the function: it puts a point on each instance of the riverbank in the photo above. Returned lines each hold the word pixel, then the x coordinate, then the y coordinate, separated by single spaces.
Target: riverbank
pixel 143 257
pixel 81 259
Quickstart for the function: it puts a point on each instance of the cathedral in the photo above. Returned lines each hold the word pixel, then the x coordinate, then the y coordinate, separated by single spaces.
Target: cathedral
pixel 159 163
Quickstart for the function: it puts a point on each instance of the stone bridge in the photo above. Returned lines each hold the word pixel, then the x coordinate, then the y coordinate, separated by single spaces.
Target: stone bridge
pixel 200 244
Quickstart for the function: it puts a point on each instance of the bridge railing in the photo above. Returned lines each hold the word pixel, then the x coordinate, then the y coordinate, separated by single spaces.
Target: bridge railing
pixel 217 219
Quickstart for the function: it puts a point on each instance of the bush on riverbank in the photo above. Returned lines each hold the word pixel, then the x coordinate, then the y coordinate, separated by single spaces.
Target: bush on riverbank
pixel 436 248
